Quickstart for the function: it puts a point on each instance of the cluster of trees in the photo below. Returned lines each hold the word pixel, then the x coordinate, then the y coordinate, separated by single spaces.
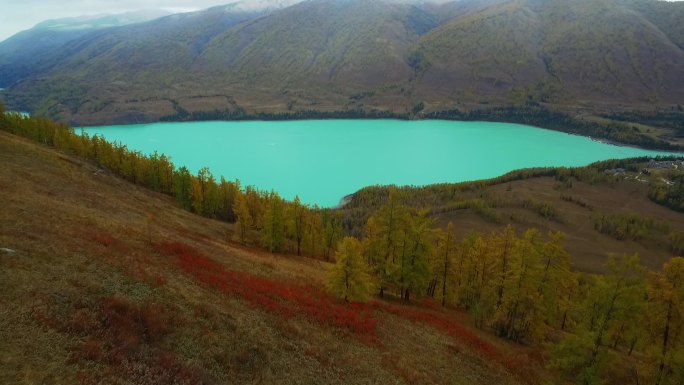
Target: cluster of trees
pixel 626 326
pixel 673 118
pixel 240 114
pixel 623 226
pixel 671 196
pixel 536 115
pixel 521 286
pixel 261 217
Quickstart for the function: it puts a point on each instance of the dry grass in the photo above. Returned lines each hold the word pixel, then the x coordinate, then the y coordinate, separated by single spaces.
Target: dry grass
pixel 589 248
pixel 87 299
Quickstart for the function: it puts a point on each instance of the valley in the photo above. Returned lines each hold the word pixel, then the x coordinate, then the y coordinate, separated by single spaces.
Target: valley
pixel 586 59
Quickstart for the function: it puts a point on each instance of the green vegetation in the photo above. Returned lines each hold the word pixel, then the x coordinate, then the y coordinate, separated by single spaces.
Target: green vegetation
pixel 669 195
pixel 623 226
pixel 536 115
pixel 240 114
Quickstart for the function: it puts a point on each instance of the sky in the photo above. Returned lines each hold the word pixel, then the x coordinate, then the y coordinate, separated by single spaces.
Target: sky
pixel 19 15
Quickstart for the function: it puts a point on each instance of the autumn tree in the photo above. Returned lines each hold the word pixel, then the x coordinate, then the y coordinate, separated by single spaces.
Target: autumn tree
pixel 296 221
pixel 610 299
pixel 227 194
pixel 273 232
pixel 244 218
pixel 385 231
pixel 332 231
pixel 349 278
pixel 183 187
pixel 518 316
pixel 313 233
pixel 416 249
pixel 666 317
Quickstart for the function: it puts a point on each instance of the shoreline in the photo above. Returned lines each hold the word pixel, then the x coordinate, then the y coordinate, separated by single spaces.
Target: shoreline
pixel 255 118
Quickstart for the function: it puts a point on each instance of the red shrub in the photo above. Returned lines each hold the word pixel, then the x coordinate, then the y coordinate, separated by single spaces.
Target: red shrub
pixel 446 324
pixel 160 280
pixel 285 300
pixel 103 239
pixel 90 350
pixel 83 321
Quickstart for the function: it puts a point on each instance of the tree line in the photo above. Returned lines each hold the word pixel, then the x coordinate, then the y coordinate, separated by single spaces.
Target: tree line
pixel 534 114
pixel 622 327
pixel 262 218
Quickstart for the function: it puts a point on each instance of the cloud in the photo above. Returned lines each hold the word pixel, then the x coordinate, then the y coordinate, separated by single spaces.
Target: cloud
pixel 17 16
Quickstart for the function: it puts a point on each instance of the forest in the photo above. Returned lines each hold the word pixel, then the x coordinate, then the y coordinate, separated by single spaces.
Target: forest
pixel 621 327
pixel 536 115
pixel 530 113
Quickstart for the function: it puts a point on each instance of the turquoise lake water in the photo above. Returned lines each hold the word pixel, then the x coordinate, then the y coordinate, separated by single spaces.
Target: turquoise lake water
pixel 324 160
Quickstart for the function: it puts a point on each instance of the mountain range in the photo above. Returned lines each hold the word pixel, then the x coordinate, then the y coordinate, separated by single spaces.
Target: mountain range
pixel 372 55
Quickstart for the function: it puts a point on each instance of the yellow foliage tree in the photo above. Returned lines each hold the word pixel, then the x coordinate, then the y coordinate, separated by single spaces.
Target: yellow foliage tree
pixel 350 277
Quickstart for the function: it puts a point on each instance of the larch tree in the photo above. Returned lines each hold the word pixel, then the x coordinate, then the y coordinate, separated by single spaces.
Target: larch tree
pixel 314 231
pixel 227 193
pixel 518 316
pixel 349 278
pixel 442 264
pixel 332 231
pixel 503 244
pixel 389 228
pixel 296 214
pixel 584 355
pixel 414 269
pixel 666 317
pixel 244 217
pixel 183 187
pixel 273 232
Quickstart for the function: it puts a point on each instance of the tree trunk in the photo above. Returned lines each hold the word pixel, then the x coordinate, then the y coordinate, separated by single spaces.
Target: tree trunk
pixel 666 337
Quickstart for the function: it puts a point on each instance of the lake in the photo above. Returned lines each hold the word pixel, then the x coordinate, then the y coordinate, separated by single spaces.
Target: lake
pixel 324 160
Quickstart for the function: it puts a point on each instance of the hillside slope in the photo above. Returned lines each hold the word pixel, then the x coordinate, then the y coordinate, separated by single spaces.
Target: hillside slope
pixel 106 282
pixel 329 55
pixel 31 52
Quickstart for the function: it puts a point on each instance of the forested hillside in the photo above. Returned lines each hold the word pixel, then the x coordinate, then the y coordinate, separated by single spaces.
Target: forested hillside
pixel 510 300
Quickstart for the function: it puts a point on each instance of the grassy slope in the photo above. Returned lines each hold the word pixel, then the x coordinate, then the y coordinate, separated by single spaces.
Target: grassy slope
pixel 86 297
pixel 589 248
pixel 505 204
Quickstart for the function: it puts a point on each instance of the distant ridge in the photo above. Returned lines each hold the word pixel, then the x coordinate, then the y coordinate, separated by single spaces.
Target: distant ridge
pixel 580 56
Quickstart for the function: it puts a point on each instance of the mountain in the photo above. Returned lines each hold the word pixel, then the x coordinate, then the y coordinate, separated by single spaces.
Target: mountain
pixel 21 55
pixel 332 55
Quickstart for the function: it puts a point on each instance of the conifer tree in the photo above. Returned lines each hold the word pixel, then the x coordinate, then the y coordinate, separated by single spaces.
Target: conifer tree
pixel 183 187
pixel 447 248
pixel 296 221
pixel 273 232
pixel 244 218
pixel 332 231
pixel 666 317
pixel 314 231
pixel 387 238
pixel 349 278
pixel 414 268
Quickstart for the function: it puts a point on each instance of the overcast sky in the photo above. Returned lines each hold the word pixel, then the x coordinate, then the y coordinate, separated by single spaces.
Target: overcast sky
pixel 19 15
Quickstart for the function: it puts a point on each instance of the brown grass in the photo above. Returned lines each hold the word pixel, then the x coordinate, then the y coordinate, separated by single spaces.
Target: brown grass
pixel 589 248
pixel 87 299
